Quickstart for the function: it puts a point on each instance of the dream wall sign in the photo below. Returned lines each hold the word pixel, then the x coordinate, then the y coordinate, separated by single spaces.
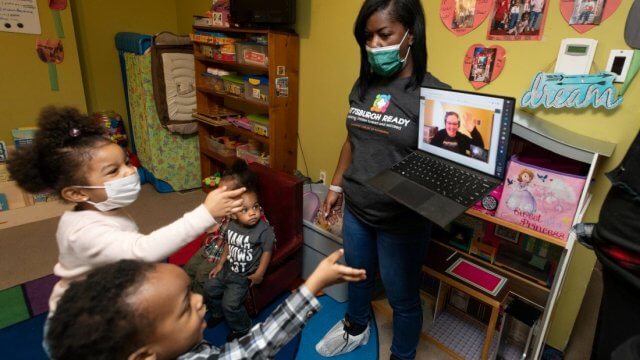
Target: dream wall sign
pixel 572 91
pixel 462 16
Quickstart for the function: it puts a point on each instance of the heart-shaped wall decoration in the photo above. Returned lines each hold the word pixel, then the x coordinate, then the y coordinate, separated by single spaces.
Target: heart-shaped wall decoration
pixel 584 15
pixel 463 16
pixel 483 64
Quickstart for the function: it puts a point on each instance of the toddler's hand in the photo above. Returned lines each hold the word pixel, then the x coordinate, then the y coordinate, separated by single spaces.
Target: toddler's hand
pixel 221 202
pixel 255 278
pixel 216 269
pixel 329 272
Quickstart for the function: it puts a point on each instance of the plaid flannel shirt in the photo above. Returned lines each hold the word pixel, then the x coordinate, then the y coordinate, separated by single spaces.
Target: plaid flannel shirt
pixel 265 339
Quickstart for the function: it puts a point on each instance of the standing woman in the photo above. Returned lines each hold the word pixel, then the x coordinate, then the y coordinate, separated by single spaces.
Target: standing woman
pixel 382 124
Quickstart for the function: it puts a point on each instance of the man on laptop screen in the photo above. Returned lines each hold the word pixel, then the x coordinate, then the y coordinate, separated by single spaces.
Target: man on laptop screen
pixel 461 156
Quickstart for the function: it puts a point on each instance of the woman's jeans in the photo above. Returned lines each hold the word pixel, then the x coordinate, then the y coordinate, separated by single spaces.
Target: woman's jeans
pixel 399 258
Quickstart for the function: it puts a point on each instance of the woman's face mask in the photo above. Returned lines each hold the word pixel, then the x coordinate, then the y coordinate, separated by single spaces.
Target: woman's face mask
pixel 385 61
pixel 120 192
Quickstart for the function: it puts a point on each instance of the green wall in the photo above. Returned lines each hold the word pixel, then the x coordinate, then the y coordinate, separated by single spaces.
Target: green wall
pixel 24 79
pixel 329 63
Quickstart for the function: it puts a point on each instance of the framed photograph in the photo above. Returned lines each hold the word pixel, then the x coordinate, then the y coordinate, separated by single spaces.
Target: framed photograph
pixel 506 234
pixel 463 14
pixel 482 64
pixel 517 19
pixel 460 236
pixel 587 12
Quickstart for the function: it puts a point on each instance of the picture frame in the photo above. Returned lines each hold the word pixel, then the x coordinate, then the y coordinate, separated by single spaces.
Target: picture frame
pixel 506 233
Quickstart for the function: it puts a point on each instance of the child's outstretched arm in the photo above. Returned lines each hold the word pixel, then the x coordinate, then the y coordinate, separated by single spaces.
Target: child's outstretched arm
pixel 265 339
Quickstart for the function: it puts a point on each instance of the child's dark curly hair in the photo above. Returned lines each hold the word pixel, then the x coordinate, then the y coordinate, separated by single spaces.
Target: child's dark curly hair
pixel 59 152
pixel 240 174
pixel 94 319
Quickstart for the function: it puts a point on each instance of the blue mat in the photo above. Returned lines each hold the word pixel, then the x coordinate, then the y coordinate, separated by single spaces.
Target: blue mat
pixel 23 341
pixel 332 312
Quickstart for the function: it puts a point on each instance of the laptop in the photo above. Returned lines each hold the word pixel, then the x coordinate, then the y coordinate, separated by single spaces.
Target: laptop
pixel 450 172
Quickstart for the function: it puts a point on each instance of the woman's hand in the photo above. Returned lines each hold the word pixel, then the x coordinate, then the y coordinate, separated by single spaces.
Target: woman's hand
pixel 221 202
pixel 332 201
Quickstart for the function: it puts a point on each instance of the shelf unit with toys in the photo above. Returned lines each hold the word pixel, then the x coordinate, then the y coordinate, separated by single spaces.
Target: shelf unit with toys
pixel 532 265
pixel 247 96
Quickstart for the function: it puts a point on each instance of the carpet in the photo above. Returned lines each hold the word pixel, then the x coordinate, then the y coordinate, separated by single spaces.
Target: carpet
pixel 332 312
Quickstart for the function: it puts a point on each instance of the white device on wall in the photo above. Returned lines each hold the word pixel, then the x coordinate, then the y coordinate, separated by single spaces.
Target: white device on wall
pixel 619 62
pixel 575 56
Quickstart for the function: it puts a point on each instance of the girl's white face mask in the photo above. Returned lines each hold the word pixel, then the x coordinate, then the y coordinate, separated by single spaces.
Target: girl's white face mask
pixel 120 192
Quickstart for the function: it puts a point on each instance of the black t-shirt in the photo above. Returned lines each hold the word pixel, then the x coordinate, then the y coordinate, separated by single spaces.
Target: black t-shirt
pixel 383 129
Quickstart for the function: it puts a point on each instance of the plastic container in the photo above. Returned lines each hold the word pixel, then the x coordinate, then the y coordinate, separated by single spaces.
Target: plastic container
pixel 233 84
pixel 217 145
pixel 319 243
pixel 259 124
pixel 256 88
pixel 243 152
pixel 252 54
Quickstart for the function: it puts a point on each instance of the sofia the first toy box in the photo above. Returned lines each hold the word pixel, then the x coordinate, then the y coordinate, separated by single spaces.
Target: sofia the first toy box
pixel 539 198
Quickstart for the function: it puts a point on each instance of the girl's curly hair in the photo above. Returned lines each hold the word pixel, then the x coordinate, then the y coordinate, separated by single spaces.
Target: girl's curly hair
pixel 94 318
pixel 62 146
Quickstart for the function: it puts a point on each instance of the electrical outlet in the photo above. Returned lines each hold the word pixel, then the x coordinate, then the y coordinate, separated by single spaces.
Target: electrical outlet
pixel 323 177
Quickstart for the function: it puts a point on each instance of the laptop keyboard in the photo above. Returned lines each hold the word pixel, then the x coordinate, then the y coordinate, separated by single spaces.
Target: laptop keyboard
pixel 455 183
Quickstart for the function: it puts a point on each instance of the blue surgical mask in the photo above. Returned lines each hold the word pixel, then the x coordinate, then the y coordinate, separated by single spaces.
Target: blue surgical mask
pixel 386 61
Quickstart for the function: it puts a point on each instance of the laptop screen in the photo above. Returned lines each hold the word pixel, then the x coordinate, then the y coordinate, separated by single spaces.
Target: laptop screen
pixel 467 128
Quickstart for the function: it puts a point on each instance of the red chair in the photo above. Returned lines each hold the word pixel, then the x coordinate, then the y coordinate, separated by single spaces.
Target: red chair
pixel 280 196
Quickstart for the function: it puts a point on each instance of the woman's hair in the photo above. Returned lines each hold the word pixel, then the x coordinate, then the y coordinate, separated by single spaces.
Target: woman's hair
pixel 95 318
pixel 410 14
pixel 62 147
pixel 241 176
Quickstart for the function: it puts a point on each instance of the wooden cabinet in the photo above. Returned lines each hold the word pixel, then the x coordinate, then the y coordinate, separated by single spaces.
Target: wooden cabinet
pixel 270 55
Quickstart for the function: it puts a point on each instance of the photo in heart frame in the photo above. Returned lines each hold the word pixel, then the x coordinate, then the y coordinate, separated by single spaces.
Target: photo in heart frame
pixel 584 15
pixel 517 20
pixel 463 16
pixel 482 64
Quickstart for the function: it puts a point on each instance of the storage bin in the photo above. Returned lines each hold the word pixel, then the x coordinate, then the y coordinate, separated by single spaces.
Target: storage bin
pixel 318 244
pixel 243 152
pixel 217 145
pixel 259 124
pixel 233 84
pixel 256 88
pixel 252 54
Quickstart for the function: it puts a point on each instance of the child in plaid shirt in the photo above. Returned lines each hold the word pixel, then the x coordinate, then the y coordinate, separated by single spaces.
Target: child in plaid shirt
pixel 137 310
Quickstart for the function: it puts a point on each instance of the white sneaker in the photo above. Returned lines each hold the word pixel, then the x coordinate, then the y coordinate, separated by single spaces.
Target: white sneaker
pixel 337 341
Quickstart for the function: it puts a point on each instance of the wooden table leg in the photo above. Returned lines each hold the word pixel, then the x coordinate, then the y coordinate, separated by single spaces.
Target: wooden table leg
pixel 491 328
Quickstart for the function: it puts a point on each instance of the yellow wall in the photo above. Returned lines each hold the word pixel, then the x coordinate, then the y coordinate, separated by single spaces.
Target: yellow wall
pixel 97 22
pixel 24 79
pixel 329 63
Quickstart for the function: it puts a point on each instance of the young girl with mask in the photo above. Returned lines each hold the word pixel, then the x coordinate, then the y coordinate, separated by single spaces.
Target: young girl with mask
pixel 380 234
pixel 72 156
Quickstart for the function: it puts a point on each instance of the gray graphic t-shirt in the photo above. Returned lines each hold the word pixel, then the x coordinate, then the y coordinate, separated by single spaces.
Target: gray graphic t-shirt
pixel 246 245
